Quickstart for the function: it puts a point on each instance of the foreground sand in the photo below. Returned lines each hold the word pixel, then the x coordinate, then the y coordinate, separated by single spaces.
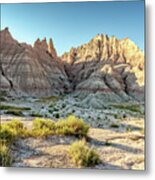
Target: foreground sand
pixel 119 147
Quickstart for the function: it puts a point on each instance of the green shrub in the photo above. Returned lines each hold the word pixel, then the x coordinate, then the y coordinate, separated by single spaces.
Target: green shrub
pixel 57 115
pixel 15 124
pixel 15 112
pixel 50 111
pixel 51 105
pixel 55 109
pixel 48 98
pixel 128 129
pixel 116 116
pixel 130 107
pixel 42 127
pixel 13 129
pixel 6 107
pixel 5 158
pixel 63 105
pixel 72 126
pixel 82 155
pixel 36 115
pixel 41 132
pixel 40 123
pixel 107 143
pixel 113 125
pixel 6 133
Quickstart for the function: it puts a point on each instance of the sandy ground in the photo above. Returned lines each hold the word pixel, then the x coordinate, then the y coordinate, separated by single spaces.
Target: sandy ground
pixel 119 147
pixel 118 141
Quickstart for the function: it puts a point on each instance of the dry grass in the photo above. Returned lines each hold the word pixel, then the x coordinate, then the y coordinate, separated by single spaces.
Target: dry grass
pixel 5 158
pixel 72 126
pixel 83 155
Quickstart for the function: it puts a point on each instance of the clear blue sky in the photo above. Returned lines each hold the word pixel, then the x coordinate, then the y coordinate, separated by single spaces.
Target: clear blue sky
pixel 72 24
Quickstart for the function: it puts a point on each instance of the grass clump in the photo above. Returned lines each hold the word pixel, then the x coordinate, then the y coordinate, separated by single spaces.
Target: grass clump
pixel 107 143
pixel 42 127
pixel 39 123
pixel 5 158
pixel 15 112
pixel 128 129
pixel 82 155
pixel 12 130
pixel 69 126
pixel 6 107
pixel 9 132
pixel 72 126
pixel 49 98
pixel 116 116
pixel 36 115
pixel 56 115
pixel 63 105
pixel 113 125
pixel 6 133
pixel 15 124
pixel 130 107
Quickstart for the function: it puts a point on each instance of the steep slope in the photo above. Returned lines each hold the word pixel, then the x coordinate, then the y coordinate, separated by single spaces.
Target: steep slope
pixel 103 70
pixel 33 71
pixel 106 69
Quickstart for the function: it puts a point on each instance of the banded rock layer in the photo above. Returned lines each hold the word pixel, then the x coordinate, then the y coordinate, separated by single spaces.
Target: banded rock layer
pixel 33 71
pixel 103 70
pixel 106 69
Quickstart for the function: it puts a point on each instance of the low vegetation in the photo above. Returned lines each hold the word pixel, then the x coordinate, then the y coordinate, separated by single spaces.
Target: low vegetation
pixel 36 115
pixel 15 112
pixel 72 126
pixel 11 131
pixel 5 158
pixel 83 155
pixel 107 143
pixel 114 125
pixel 69 126
pixel 49 98
pixel 132 107
pixel 6 107
pixel 43 127
pixel 7 134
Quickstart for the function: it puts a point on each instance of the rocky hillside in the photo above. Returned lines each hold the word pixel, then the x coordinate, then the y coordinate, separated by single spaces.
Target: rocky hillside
pixel 27 70
pixel 105 69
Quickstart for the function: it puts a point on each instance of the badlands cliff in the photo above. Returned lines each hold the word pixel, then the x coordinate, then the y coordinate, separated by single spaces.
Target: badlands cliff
pixel 105 68
pixel 33 71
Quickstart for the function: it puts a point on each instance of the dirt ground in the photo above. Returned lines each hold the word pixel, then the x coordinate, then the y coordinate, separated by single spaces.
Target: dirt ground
pixel 120 146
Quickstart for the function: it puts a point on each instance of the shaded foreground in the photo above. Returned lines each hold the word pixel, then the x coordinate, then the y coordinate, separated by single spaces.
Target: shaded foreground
pixel 116 149
pixel 114 133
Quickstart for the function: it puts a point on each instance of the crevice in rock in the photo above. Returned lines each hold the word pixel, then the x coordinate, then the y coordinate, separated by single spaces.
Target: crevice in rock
pixel 125 85
pixel 10 82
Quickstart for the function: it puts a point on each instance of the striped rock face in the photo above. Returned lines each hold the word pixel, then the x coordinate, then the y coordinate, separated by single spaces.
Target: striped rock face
pixel 32 71
pixel 103 70
pixel 106 69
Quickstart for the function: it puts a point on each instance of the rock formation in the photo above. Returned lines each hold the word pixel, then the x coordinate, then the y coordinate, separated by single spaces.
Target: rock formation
pixel 103 70
pixel 27 70
pixel 106 69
